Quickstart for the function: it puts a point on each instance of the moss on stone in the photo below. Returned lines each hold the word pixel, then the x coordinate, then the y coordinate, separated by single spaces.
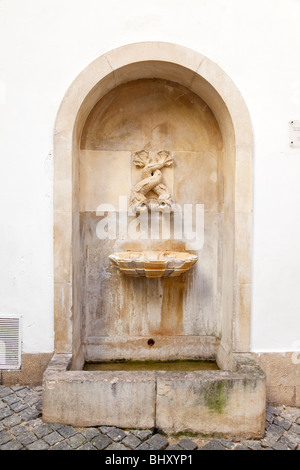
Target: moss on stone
pixel 175 365
pixel 215 396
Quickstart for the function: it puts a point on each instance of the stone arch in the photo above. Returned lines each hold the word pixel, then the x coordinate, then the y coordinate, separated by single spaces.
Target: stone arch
pixel 206 79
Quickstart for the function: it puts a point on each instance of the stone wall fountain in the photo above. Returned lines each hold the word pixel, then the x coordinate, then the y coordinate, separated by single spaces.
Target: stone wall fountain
pixel 151 193
pixel 152 249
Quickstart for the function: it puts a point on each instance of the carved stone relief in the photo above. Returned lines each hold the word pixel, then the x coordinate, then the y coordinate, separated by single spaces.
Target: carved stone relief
pixel 150 191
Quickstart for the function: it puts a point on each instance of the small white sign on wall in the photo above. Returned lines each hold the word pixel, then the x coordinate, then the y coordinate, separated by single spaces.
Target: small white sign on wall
pixel 295 133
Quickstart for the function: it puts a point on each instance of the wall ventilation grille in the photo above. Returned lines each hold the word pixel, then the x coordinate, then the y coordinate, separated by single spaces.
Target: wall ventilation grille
pixel 10 341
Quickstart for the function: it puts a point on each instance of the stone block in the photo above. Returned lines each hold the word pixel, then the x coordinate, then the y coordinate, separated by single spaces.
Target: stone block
pixel 231 403
pixel 122 399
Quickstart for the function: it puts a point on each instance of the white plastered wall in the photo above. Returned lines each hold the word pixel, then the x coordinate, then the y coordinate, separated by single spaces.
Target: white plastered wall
pixel 46 44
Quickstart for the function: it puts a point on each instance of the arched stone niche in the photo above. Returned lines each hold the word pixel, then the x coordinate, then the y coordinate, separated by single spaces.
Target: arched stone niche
pixel 189 76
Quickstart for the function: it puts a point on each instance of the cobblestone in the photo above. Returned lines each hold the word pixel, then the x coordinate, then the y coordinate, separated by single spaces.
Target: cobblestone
pixel 53 438
pixel 142 434
pixel 157 442
pixel 76 441
pixel 283 423
pixel 116 434
pixel 101 442
pixel 131 441
pixel 22 428
pixel 253 445
pixel 187 444
pixel 27 438
pixel 214 444
pixel 116 446
pixel 144 446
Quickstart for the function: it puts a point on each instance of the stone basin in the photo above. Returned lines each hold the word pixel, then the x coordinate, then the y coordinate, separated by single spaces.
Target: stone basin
pixel 153 264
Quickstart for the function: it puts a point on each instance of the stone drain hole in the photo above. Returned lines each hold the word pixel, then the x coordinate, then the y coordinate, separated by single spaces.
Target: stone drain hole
pixel 150 342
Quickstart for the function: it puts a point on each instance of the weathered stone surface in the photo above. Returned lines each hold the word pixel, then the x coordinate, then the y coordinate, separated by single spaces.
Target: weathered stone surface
pixel 116 434
pixel 5 412
pixel 106 429
pixel 87 446
pixel 12 445
pixel 291 440
pixel 62 446
pixel 11 398
pixel 67 431
pixel 38 445
pixel 12 420
pixel 272 410
pixel 280 446
pixel 125 399
pixel 53 438
pixel 144 446
pixel 231 403
pixel 23 392
pixel 283 423
pixel 253 445
pixel 131 441
pixel 157 442
pixel 101 442
pixel 295 428
pixel 27 438
pixel 214 444
pixel 292 414
pixel 88 433
pixel 29 413
pixel 142 434
pixel 4 437
pixel 42 430
pixel 273 434
pixel 17 430
pixel 187 444
pixel 76 441
pixel 226 443
pixel 18 406
pixel 116 446
pixel 4 391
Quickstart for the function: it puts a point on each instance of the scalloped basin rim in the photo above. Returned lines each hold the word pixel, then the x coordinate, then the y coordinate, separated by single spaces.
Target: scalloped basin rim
pixel 153 255
pixel 153 263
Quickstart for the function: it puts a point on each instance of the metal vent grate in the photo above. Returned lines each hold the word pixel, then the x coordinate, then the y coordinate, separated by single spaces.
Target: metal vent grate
pixel 10 341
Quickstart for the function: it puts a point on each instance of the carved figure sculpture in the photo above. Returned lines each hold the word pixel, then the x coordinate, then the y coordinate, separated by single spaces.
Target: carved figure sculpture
pixel 150 191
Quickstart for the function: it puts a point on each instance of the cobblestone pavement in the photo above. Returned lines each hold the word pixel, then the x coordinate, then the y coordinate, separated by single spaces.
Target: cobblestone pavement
pixel 22 428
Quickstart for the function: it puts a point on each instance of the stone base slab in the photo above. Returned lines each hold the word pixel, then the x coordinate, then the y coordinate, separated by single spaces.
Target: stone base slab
pixel 30 373
pixel 282 371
